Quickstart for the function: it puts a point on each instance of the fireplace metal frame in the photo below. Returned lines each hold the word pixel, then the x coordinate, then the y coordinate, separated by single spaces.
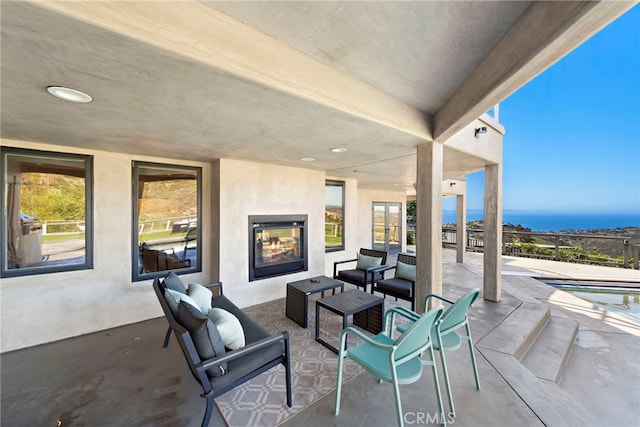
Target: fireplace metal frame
pixel 262 222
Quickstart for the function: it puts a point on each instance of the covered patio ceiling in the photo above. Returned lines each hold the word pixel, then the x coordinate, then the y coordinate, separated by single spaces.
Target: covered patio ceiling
pixel 276 82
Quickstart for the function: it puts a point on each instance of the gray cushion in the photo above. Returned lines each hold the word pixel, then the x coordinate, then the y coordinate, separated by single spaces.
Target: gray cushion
pixel 357 276
pixel 394 286
pixel 172 281
pixel 406 271
pixel 365 262
pixel 204 334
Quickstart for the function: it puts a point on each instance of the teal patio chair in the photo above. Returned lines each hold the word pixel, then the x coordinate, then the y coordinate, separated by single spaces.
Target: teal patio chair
pixel 447 339
pixel 395 361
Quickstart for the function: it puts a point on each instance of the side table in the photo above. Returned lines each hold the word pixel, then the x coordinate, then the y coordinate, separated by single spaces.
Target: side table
pixel 367 310
pixel 297 306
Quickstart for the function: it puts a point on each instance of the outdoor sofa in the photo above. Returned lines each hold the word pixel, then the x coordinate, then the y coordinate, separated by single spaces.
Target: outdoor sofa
pixel 218 369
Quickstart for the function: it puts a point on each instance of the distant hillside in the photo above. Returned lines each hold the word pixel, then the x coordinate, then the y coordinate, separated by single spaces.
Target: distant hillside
pixel 613 248
pixel 164 199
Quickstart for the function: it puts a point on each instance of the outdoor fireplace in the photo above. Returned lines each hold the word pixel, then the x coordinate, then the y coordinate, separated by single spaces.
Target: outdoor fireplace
pixel 277 245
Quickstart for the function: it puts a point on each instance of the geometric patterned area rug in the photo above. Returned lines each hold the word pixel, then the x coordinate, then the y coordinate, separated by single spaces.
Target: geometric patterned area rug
pixel 262 401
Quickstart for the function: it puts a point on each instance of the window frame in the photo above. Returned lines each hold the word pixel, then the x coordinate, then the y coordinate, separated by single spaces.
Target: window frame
pixel 87 160
pixel 336 183
pixel 136 275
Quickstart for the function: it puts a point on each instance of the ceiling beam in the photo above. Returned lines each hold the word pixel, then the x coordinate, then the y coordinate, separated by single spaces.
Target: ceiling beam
pixel 544 34
pixel 202 34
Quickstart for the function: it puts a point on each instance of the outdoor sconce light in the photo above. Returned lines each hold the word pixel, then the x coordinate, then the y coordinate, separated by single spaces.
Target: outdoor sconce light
pixel 480 130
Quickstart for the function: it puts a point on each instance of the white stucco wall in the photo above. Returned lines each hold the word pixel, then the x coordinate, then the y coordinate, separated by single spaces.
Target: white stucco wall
pixel 248 188
pixel 48 307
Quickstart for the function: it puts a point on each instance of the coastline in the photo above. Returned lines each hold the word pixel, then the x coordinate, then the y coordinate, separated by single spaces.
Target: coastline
pixel 543 221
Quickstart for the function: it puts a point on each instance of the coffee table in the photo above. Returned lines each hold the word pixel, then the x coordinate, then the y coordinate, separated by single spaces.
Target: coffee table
pixel 366 310
pixel 297 308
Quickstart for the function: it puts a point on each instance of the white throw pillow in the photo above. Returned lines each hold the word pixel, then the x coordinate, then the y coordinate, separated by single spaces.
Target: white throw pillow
pixel 201 295
pixel 173 298
pixel 229 328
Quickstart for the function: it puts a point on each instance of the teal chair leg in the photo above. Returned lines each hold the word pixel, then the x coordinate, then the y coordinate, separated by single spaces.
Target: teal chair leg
pixel 434 368
pixel 473 356
pixel 447 383
pixel 396 392
pixel 340 367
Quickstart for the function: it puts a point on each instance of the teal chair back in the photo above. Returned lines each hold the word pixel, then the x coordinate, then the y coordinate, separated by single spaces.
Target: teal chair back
pixel 456 314
pixel 447 339
pixel 396 361
pixel 418 337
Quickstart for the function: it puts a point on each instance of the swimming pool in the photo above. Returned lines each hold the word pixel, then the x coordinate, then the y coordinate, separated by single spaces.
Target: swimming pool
pixel 621 298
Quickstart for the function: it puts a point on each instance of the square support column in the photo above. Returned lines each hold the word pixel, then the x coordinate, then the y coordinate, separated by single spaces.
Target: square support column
pixel 461 228
pixel 429 225
pixel 492 232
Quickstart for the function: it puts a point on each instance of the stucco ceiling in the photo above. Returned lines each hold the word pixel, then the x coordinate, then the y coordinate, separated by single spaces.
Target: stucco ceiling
pixel 171 100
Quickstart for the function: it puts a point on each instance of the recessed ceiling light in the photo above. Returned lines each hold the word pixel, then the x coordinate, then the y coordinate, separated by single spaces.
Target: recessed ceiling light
pixel 307 159
pixel 69 94
pixel 338 150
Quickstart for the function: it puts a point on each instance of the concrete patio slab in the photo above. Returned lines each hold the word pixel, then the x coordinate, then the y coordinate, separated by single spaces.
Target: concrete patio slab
pixel 123 377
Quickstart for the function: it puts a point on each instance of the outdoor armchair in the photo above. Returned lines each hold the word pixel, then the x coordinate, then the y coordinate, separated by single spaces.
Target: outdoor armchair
pixel 396 361
pixel 369 267
pixel 403 284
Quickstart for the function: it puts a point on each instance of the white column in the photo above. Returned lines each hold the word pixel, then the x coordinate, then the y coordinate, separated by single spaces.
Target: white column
pixel 492 232
pixel 461 227
pixel 429 225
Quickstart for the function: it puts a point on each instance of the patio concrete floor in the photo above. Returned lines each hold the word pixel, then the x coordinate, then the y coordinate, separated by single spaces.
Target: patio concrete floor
pixel 544 357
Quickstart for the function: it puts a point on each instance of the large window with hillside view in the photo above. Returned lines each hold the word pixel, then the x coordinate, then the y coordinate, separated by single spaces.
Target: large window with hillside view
pixel 334 215
pixel 47 212
pixel 166 220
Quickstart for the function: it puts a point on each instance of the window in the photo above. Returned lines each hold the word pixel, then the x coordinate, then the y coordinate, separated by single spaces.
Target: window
pixel 47 212
pixel 166 220
pixel 334 216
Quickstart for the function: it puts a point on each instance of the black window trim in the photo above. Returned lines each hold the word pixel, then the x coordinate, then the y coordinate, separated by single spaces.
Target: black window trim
pixel 342 184
pixel 5 272
pixel 136 276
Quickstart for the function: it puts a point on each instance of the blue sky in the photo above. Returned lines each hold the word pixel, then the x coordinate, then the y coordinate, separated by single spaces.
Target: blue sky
pixel 573 132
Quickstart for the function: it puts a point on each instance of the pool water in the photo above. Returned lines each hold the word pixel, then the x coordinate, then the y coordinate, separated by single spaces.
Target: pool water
pixel 621 300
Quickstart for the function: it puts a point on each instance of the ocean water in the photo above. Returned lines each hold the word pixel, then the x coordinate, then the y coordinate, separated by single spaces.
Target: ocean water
pixel 555 221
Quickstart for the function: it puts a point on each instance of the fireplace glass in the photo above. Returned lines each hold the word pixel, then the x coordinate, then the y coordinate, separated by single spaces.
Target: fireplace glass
pixel 277 247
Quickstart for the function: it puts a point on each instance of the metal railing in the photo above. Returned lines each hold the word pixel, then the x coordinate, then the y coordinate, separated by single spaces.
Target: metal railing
pixel 557 248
